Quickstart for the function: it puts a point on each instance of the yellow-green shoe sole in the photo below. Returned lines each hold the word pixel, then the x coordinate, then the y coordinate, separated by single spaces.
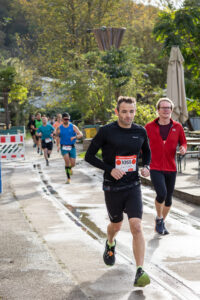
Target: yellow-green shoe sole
pixel 142 281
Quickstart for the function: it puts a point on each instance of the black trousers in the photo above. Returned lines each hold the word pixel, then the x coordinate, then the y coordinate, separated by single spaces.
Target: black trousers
pixel 164 183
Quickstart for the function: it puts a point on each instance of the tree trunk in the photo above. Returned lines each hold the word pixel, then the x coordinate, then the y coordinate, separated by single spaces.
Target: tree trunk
pixel 5 96
pixel 117 94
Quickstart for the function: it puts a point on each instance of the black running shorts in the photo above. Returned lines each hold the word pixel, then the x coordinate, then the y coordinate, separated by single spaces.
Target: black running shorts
pixel 48 146
pixel 32 132
pixel 128 201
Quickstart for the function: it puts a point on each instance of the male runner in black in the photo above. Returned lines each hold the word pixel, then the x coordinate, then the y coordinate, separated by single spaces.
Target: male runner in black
pixel 121 143
pixel 31 127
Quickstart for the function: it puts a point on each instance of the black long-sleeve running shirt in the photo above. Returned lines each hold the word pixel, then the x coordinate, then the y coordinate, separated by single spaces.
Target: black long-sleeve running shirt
pixel 117 141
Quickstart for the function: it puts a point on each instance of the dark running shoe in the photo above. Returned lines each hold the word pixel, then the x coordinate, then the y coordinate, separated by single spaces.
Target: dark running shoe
pixel 38 150
pixel 165 231
pixel 141 278
pixel 109 254
pixel 47 162
pixel 159 226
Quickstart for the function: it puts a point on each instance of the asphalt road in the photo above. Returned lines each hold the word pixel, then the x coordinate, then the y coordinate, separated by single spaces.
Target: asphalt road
pixel 70 220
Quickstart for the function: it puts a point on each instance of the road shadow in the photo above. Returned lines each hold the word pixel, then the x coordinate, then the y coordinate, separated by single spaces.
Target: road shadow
pixel 137 295
pixel 115 284
pixel 152 245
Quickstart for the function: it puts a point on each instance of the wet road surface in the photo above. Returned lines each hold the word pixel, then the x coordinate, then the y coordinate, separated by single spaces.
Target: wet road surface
pixel 172 261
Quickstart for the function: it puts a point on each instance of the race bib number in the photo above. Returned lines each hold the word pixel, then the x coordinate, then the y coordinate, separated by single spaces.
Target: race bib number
pixel 47 140
pixel 66 148
pixel 126 163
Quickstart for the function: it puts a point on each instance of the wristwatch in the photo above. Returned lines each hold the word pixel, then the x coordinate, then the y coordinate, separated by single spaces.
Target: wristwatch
pixel 147 167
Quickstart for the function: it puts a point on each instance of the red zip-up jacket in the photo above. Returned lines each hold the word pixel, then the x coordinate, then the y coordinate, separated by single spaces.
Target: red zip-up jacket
pixel 163 152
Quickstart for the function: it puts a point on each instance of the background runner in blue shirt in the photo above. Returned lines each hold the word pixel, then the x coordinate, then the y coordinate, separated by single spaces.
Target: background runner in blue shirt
pixel 67 133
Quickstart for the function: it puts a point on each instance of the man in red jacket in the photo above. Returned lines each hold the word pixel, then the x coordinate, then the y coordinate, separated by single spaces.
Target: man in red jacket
pixel 164 136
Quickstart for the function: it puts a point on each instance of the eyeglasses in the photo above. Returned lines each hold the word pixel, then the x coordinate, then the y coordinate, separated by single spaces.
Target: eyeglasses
pixel 165 107
pixel 65 119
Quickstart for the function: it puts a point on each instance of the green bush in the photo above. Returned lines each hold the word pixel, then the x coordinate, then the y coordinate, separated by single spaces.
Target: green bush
pixel 145 113
pixel 99 154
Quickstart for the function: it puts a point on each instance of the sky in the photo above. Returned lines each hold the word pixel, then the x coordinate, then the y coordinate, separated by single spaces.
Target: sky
pixel 177 3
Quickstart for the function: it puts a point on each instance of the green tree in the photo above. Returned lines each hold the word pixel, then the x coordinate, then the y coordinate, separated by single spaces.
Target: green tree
pixel 144 113
pixel 60 27
pixel 139 21
pixel 58 30
pixel 12 22
pixel 85 89
pixel 193 107
pixel 57 44
pixel 14 87
pixel 117 67
pixel 181 27
pixel 7 79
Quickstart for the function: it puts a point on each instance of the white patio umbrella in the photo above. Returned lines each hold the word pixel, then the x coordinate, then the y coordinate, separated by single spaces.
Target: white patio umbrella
pixel 176 85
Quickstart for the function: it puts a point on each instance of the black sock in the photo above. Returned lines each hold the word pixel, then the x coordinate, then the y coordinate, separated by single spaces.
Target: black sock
pixel 67 170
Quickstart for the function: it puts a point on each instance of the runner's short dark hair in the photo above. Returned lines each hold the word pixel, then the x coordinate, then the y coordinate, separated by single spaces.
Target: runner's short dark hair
pixel 126 100
pixel 65 115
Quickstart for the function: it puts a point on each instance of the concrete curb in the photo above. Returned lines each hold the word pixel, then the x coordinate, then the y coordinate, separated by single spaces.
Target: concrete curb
pixel 177 193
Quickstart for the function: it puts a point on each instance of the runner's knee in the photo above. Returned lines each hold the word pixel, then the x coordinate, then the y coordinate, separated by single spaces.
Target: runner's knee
pixel 116 226
pixel 136 227
pixel 168 201
pixel 73 163
pixel 161 197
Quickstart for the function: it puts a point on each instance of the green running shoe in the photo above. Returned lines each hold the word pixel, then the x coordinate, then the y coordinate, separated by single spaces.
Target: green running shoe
pixel 141 278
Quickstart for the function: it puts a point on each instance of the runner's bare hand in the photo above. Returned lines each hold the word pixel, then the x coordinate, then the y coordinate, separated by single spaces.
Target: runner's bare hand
pixel 182 150
pixel 117 174
pixel 145 172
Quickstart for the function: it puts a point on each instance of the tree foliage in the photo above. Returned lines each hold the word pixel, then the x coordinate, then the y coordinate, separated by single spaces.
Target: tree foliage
pixel 193 107
pixel 115 64
pixel 12 21
pixel 144 113
pixel 56 43
pixel 182 27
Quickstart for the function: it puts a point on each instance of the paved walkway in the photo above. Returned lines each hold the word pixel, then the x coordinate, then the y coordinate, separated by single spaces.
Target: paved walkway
pixel 45 255
pixel 29 269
